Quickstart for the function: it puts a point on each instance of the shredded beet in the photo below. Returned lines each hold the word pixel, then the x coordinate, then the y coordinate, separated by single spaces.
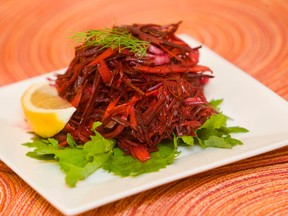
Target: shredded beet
pixel 139 100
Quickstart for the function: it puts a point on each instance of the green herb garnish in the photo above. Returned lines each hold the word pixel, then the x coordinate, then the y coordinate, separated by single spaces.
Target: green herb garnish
pixel 116 38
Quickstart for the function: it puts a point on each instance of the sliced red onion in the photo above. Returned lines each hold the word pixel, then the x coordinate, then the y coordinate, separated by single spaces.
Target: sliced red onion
pixel 193 101
pixel 155 50
pixel 161 59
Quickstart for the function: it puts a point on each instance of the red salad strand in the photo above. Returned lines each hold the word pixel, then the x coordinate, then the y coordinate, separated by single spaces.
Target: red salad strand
pixel 140 99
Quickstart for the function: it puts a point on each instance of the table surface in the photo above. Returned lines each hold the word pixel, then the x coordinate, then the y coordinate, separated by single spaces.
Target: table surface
pixel 250 34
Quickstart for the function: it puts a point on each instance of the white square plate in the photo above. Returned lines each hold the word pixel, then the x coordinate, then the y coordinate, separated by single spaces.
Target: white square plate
pixel 248 102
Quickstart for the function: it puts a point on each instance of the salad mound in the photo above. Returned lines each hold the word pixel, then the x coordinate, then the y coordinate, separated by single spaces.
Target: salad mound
pixel 141 81
pixel 138 91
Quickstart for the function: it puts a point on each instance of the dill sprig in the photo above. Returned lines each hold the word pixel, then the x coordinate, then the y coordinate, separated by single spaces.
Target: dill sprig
pixel 119 38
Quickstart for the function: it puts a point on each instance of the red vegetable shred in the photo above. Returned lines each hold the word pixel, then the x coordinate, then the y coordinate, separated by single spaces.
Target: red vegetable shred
pixel 140 100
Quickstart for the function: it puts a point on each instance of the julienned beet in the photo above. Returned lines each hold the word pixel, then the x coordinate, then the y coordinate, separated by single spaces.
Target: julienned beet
pixel 140 98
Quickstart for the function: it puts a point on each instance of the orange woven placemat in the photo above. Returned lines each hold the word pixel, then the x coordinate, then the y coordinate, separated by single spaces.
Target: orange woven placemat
pixel 34 40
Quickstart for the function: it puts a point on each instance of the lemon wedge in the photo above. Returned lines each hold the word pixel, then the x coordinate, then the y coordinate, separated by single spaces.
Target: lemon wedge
pixel 46 112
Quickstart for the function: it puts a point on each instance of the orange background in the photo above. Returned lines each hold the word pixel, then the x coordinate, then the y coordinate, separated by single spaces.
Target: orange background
pixel 34 39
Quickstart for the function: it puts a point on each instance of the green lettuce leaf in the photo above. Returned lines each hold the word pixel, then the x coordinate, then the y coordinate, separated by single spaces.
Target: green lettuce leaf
pixel 216 103
pixel 215 133
pixel 76 162
pixel 79 161
pixel 125 165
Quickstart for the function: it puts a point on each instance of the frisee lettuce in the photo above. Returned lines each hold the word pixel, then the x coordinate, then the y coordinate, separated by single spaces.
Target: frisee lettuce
pixel 79 161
